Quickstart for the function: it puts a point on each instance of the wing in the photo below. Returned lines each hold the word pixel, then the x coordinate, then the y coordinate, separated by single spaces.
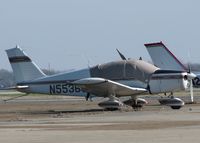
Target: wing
pixel 104 87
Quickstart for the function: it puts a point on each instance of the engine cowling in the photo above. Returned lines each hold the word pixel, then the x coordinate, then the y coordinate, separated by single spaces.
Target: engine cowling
pixel 174 103
pixel 111 104
pixel 168 82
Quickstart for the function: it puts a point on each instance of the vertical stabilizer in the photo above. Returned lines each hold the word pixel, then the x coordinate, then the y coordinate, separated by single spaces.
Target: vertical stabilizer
pixel 163 58
pixel 24 69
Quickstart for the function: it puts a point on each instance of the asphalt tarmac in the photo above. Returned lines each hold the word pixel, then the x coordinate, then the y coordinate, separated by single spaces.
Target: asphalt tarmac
pixel 58 119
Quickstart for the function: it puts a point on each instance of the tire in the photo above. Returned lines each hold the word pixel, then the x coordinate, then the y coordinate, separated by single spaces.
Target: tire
pixel 176 107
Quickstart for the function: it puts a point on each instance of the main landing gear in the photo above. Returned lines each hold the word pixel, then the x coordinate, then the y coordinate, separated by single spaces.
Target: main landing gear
pixel 173 102
pixel 136 103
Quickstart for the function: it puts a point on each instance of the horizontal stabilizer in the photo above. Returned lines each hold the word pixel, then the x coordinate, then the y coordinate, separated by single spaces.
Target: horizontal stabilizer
pixel 18 87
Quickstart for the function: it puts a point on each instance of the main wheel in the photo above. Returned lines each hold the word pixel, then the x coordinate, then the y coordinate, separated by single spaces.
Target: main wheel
pixel 176 107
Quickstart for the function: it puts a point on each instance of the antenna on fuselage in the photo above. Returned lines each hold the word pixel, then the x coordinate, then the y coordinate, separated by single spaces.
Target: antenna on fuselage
pixel 121 55
pixel 87 60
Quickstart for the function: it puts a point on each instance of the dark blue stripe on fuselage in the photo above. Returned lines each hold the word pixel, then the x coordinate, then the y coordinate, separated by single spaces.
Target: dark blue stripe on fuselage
pixel 167 71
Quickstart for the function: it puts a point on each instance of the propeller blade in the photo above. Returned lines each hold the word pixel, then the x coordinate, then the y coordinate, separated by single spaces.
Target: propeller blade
pixel 189 68
pixel 191 91
pixel 191 76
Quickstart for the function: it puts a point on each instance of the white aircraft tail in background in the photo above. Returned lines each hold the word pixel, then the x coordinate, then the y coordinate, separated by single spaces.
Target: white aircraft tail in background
pixel 163 58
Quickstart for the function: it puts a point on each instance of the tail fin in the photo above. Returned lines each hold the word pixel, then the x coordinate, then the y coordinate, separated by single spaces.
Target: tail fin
pixel 163 58
pixel 24 68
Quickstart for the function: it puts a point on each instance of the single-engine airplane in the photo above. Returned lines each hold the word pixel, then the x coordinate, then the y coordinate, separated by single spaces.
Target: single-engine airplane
pixel 112 80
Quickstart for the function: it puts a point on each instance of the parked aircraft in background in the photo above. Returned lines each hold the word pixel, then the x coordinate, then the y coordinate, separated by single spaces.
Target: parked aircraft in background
pixel 111 80
pixel 163 58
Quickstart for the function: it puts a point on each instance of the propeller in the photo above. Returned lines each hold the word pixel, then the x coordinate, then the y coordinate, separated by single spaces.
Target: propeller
pixel 191 92
pixel 191 76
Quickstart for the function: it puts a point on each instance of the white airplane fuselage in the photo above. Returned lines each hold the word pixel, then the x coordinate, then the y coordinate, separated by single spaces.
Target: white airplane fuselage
pixel 113 79
pixel 61 84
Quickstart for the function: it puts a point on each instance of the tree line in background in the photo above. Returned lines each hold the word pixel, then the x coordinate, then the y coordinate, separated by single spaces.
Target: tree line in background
pixel 7 78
